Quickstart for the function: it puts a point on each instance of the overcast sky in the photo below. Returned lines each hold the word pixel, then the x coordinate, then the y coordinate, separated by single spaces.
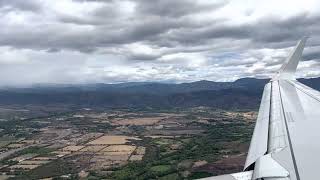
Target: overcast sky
pixel 110 41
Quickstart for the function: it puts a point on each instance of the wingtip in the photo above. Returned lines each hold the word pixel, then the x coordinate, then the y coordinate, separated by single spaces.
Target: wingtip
pixel 304 39
pixel 289 67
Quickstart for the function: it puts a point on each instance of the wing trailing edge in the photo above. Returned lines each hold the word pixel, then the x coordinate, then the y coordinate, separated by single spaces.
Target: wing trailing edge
pixel 259 140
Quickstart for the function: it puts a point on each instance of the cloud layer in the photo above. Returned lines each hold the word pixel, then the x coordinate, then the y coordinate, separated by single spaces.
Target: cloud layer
pixel 89 41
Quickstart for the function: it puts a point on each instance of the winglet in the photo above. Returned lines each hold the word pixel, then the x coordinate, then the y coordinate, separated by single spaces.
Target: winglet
pixel 289 67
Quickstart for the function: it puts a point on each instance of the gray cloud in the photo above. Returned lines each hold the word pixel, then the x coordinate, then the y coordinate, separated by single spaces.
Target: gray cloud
pixel 94 30
pixel 175 9
pixel 169 40
pixel 312 53
pixel 29 5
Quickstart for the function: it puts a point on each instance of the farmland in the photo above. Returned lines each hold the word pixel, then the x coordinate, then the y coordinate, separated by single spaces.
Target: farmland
pixel 126 143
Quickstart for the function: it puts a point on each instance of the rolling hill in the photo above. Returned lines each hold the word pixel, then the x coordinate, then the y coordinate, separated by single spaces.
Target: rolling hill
pixel 244 93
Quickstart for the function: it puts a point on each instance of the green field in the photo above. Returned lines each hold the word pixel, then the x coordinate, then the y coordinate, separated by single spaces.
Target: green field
pixel 160 169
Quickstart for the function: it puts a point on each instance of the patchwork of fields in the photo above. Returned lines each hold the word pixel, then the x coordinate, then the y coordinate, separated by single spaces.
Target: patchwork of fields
pixel 120 144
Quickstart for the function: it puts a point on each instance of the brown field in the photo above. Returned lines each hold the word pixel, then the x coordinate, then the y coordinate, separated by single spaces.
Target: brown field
pixel 108 140
pixel 204 121
pixel 171 114
pixel 176 132
pixel 43 158
pixel 61 153
pixel 145 121
pixel 100 158
pixel 92 148
pixel 98 165
pixel 199 163
pixel 31 162
pixel 250 116
pixel 18 166
pixel 103 162
pixel 89 136
pixel 16 145
pixel 112 153
pixel 119 148
pixel 115 153
pixel 155 137
pixel 228 165
pixel 140 150
pixel 72 148
pixel 28 141
pixel 109 159
pixel 136 158
pixel 247 116
pixel 116 157
pixel 24 157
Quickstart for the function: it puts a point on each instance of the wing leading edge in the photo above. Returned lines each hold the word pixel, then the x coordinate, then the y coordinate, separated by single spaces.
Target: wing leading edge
pixel 284 143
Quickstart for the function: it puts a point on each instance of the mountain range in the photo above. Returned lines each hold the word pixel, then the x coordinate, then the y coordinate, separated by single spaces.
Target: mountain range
pixel 242 93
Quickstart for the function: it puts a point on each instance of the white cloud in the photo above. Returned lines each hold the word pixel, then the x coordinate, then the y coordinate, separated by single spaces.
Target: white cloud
pixel 89 41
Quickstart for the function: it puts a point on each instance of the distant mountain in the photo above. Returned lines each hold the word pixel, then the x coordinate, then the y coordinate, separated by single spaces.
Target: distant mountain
pixel 313 82
pixel 226 99
pixel 250 82
pixel 133 87
pixel 244 93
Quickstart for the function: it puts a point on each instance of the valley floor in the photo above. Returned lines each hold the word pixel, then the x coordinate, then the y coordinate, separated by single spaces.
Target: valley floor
pixel 123 143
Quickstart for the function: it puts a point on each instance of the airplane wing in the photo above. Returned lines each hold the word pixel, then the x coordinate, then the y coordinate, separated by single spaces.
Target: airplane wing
pixel 286 140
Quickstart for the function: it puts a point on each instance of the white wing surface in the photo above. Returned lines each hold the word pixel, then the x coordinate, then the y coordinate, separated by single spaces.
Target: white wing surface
pixel 286 141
